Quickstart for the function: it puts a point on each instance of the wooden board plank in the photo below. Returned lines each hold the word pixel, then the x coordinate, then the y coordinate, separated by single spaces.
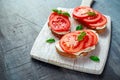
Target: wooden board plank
pixel 47 53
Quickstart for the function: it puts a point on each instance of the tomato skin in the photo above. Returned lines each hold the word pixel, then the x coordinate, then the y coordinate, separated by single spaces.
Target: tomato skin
pixel 70 44
pixel 59 23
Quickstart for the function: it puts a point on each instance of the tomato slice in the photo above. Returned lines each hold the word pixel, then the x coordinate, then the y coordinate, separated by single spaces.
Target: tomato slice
pixel 59 23
pixel 95 39
pixel 81 12
pixel 99 23
pixel 93 19
pixel 52 15
pixel 70 44
pixel 89 41
pixel 92 39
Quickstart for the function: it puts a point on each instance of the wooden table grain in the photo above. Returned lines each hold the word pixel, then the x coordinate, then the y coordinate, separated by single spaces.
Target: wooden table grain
pixel 20 23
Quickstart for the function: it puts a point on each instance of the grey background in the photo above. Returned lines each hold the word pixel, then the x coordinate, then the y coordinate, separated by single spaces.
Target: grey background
pixel 20 23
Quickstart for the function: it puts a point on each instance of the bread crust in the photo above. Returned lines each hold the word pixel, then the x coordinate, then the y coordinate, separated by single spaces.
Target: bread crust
pixel 57 35
pixel 71 55
pixel 100 31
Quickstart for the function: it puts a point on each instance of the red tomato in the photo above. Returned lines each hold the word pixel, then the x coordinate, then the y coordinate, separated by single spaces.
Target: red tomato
pixel 95 39
pixel 89 41
pixel 59 23
pixel 99 23
pixel 92 39
pixel 52 15
pixel 92 19
pixel 81 12
pixel 70 44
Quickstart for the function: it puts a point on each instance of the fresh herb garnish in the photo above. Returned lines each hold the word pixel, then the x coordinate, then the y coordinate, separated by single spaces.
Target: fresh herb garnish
pixel 51 40
pixel 95 58
pixel 79 27
pixel 81 36
pixel 66 14
pixel 61 12
pixel 55 10
pixel 91 13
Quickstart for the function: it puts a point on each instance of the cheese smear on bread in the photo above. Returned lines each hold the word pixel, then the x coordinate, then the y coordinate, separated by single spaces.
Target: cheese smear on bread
pixel 77 53
pixel 102 27
pixel 61 33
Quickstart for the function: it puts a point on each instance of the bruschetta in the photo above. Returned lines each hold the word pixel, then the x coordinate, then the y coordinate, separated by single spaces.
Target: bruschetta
pixel 90 18
pixel 77 43
pixel 59 22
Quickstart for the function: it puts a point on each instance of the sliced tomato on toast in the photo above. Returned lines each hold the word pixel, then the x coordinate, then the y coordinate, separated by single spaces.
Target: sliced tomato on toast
pixel 70 44
pixel 93 19
pixel 99 23
pixel 89 17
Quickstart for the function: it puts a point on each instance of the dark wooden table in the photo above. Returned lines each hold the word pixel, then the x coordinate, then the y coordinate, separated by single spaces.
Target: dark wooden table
pixel 20 23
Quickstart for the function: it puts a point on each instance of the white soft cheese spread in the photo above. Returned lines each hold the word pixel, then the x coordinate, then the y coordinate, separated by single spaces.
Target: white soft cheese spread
pixel 98 28
pixel 85 50
pixel 61 33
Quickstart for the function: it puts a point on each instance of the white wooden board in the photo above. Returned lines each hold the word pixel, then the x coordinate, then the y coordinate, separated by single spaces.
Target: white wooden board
pixel 47 53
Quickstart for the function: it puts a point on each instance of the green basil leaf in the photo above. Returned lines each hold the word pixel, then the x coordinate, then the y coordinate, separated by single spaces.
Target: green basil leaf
pixel 83 33
pixel 79 27
pixel 91 13
pixel 59 12
pixel 55 10
pixel 81 36
pixel 66 14
pixel 51 40
pixel 94 58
